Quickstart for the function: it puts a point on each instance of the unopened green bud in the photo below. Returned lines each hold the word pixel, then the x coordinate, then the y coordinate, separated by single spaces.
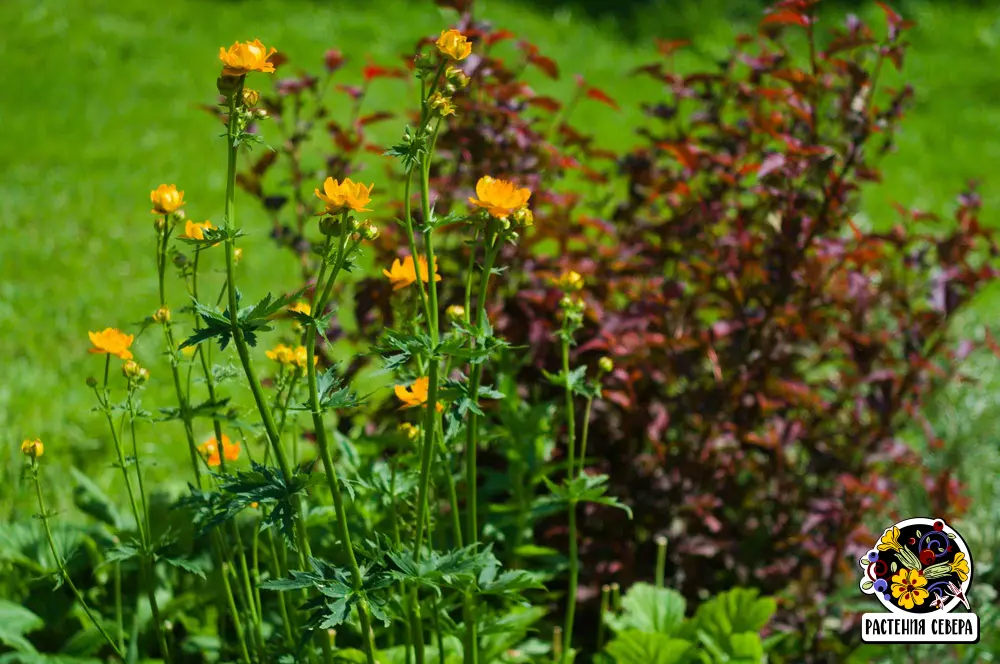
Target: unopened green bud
pixel 455 312
pixel 605 364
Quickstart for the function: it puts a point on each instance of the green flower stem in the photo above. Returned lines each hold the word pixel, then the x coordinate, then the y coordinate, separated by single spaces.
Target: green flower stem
pixel 661 560
pixel 574 561
pixel 138 466
pixel 585 432
pixel 412 241
pixel 145 565
pixel 277 571
pixel 43 515
pixel 343 532
pixel 161 263
pixel 456 520
pixel 239 341
pixel 605 601
pixel 118 606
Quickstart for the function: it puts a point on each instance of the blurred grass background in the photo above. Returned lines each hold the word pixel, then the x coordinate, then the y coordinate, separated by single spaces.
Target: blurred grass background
pixel 99 105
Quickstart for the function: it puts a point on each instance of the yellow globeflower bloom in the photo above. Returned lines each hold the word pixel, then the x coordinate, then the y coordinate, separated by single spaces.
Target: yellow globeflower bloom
pixel 166 199
pixel 210 450
pixel 300 357
pixel 195 231
pixel 402 274
pixel 245 57
pixel 908 588
pixel 32 448
pixel 499 197
pixel 281 354
pixel 416 394
pixel 410 432
pixel 454 44
pixel 339 196
pixel 569 281
pixel 111 342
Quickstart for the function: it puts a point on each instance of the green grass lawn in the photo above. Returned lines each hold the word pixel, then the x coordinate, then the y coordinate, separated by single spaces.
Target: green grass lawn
pixel 99 106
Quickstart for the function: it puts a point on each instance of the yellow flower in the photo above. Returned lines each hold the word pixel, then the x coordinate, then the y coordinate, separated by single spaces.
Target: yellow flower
pixel 166 199
pixel 112 342
pixel 195 231
pixel 162 315
pixel 402 274
pixel 301 307
pixel 441 104
pixel 569 281
pixel 300 356
pixel 210 450
pixel 454 44
pixel 340 196
pixel 908 588
pixel 410 432
pixel 499 197
pixel 281 354
pixel 960 566
pixel 416 394
pixel 245 57
pixel 32 448
pixel 889 540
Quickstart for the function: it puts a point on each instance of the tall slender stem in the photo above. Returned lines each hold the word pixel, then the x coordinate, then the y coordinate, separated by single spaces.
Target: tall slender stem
pixel 62 568
pixel 574 562
pixel 322 442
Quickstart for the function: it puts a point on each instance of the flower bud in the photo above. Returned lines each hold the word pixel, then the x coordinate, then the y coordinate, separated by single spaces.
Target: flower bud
pixel 162 315
pixel 130 369
pixel 237 255
pixel 524 218
pixel 605 364
pixel 423 61
pixel 260 114
pixel 329 225
pixel 569 281
pixel 91 381
pixel 456 77
pixel 410 432
pixel 32 448
pixel 177 216
pixel 159 224
pixel 180 260
pixel 250 97
pixel 455 312
pixel 143 376
pixel 369 231
pixel 228 85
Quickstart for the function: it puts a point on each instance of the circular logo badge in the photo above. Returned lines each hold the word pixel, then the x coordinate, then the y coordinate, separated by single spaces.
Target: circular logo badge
pixel 918 566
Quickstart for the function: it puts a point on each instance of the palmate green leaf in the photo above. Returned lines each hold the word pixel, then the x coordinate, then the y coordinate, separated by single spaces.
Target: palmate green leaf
pixel 584 489
pixel 725 624
pixel 643 648
pixel 410 150
pixel 121 553
pixel 333 394
pixel 436 570
pixel 498 634
pixel 185 564
pixel 397 349
pixel 89 498
pixel 577 378
pixel 646 608
pixel 15 622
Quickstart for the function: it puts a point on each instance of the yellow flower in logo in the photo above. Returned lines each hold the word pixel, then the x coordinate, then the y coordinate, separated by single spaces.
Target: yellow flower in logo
pixel 908 588
pixel 889 540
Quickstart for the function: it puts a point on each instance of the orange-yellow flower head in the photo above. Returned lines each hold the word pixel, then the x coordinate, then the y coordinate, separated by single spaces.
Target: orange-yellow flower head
pixel 245 57
pixel 402 274
pixel 166 199
pixel 454 44
pixel 300 357
pixel 499 197
pixel 195 231
pixel 346 195
pixel 210 450
pixel 415 394
pixel 569 281
pixel 111 342
pixel 281 354
pixel 32 448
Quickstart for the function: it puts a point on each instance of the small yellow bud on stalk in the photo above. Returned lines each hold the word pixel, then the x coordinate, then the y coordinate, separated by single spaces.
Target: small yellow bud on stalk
pixel 455 312
pixel 410 432
pixel 250 97
pixel 605 364
pixel 369 231
pixel 162 315
pixel 237 255
pixel 456 78
pixel 524 218
pixel 32 448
